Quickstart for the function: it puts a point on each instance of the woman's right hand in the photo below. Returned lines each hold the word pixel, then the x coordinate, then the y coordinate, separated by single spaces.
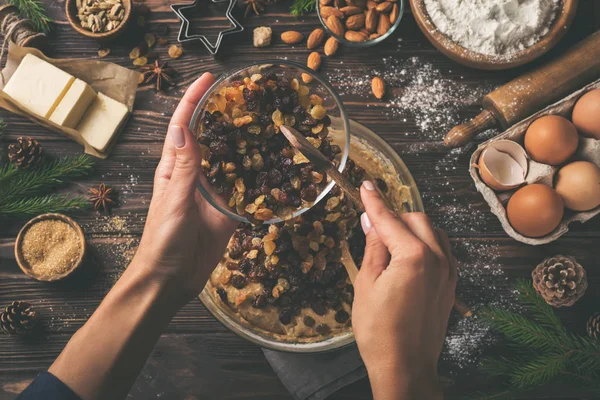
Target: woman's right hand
pixel 404 293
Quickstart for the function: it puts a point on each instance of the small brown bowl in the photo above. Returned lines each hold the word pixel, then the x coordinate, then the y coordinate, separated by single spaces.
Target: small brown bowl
pixel 71 11
pixel 24 265
pixel 563 20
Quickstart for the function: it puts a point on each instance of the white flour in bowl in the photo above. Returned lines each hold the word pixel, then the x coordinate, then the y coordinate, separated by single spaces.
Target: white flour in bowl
pixel 493 27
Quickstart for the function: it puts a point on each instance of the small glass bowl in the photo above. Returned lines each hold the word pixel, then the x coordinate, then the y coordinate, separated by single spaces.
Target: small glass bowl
pixel 319 86
pixel 368 43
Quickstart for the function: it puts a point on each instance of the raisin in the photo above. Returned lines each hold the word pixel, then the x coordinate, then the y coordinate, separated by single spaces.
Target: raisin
pixel 238 281
pixel 309 321
pixel 323 329
pixel 259 301
pixel 247 243
pixel 342 316
pixel 318 306
pixel 261 179
pixel 285 316
pixel 381 185
pixel 231 266
pixel 309 193
pixel 275 177
pixel 222 294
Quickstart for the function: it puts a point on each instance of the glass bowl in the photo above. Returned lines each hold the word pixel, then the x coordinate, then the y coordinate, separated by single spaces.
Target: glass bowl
pixel 367 43
pixel 318 86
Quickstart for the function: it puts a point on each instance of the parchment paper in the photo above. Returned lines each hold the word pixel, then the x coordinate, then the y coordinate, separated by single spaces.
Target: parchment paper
pixel 588 150
pixel 111 79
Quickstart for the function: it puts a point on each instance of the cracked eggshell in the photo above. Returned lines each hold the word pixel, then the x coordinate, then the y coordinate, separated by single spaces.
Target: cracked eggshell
pixel 503 165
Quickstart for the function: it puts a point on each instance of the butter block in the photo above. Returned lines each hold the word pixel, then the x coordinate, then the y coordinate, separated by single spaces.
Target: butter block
pixel 101 121
pixel 74 104
pixel 38 85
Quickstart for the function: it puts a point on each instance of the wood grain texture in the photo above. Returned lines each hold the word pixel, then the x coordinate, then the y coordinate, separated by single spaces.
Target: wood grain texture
pixel 197 358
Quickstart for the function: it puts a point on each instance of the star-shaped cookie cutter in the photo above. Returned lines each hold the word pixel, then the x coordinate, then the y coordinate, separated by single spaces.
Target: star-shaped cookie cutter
pixel 184 35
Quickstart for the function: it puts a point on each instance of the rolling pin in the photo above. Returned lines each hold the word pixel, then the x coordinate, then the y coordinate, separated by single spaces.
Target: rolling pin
pixel 532 91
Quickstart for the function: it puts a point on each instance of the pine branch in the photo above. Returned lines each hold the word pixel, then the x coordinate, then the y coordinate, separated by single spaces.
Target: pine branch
pixel 35 11
pixel 6 172
pixel 22 183
pixel 40 205
pixel 541 311
pixel 302 6
pixel 539 371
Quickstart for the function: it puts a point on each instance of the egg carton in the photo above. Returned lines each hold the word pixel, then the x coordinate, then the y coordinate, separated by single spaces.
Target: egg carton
pixel 588 150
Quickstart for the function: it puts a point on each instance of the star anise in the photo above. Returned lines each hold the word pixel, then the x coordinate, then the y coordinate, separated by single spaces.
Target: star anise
pixel 102 198
pixel 158 73
pixel 257 6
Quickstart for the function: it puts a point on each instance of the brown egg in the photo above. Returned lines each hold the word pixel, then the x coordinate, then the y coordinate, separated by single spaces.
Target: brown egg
pixel 535 210
pixel 586 114
pixel 551 139
pixel 578 184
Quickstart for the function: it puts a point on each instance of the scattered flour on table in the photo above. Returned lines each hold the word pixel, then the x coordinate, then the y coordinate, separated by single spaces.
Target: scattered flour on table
pixel 493 27
pixel 416 90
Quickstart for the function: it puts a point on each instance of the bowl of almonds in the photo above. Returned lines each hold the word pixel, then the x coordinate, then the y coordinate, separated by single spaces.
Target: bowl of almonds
pixel 99 19
pixel 360 23
pixel 250 172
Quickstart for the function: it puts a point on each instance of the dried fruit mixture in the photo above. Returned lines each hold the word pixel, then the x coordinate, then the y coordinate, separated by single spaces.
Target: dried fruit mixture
pixel 248 160
pixel 295 268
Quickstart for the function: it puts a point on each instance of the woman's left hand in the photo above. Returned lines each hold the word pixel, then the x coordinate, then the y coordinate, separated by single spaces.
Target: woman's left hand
pixel 184 237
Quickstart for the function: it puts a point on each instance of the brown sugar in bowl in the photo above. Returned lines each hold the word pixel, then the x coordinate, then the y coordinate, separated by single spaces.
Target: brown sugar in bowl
pixel 22 259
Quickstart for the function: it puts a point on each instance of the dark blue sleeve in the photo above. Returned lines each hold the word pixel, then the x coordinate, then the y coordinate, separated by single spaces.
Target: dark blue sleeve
pixel 47 387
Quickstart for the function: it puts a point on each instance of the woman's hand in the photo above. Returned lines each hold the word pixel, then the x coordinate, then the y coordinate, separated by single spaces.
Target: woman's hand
pixel 404 293
pixel 184 237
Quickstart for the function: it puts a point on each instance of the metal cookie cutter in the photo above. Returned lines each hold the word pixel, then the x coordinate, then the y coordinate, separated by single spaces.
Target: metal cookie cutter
pixel 184 35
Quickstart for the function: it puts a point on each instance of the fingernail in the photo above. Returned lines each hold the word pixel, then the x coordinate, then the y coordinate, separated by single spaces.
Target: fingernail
pixel 177 136
pixel 365 222
pixel 368 185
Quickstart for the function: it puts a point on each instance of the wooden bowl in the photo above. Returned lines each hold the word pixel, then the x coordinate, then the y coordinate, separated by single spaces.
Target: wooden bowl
pixel 71 11
pixel 444 44
pixel 24 265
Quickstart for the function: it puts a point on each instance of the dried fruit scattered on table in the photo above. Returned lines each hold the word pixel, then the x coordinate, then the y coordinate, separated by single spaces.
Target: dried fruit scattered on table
pixel 140 61
pixel 159 74
pixel 18 318
pixel 262 36
pixel 292 37
pixel 162 41
pixel 103 52
pixel 378 87
pixel 593 326
pixel 175 51
pixel 138 51
pixel 331 46
pixel 102 198
pixel 25 152
pixel 315 38
pixel 100 16
pixel 150 39
pixel 560 280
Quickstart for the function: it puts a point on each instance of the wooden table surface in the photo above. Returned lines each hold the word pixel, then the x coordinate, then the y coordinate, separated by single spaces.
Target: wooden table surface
pixel 197 358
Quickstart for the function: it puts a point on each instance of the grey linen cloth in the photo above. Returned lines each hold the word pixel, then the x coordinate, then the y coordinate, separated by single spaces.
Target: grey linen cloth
pixel 317 376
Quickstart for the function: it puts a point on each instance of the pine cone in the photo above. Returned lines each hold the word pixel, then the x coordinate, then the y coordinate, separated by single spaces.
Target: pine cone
pixel 25 152
pixel 593 326
pixel 560 280
pixel 18 318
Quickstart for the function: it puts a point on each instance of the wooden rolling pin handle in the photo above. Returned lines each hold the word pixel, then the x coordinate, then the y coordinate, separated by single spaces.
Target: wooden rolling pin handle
pixel 463 134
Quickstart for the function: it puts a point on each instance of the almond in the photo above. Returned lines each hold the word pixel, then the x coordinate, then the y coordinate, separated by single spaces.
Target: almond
pixel 374 36
pixel 331 46
pixel 384 24
pixel 354 36
pixel 378 87
pixel 371 20
pixel 315 38
pixel 394 14
pixel 335 25
pixel 384 7
pixel 292 37
pixel 355 22
pixel 314 61
pixel 371 4
pixel 351 10
pixel 328 11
